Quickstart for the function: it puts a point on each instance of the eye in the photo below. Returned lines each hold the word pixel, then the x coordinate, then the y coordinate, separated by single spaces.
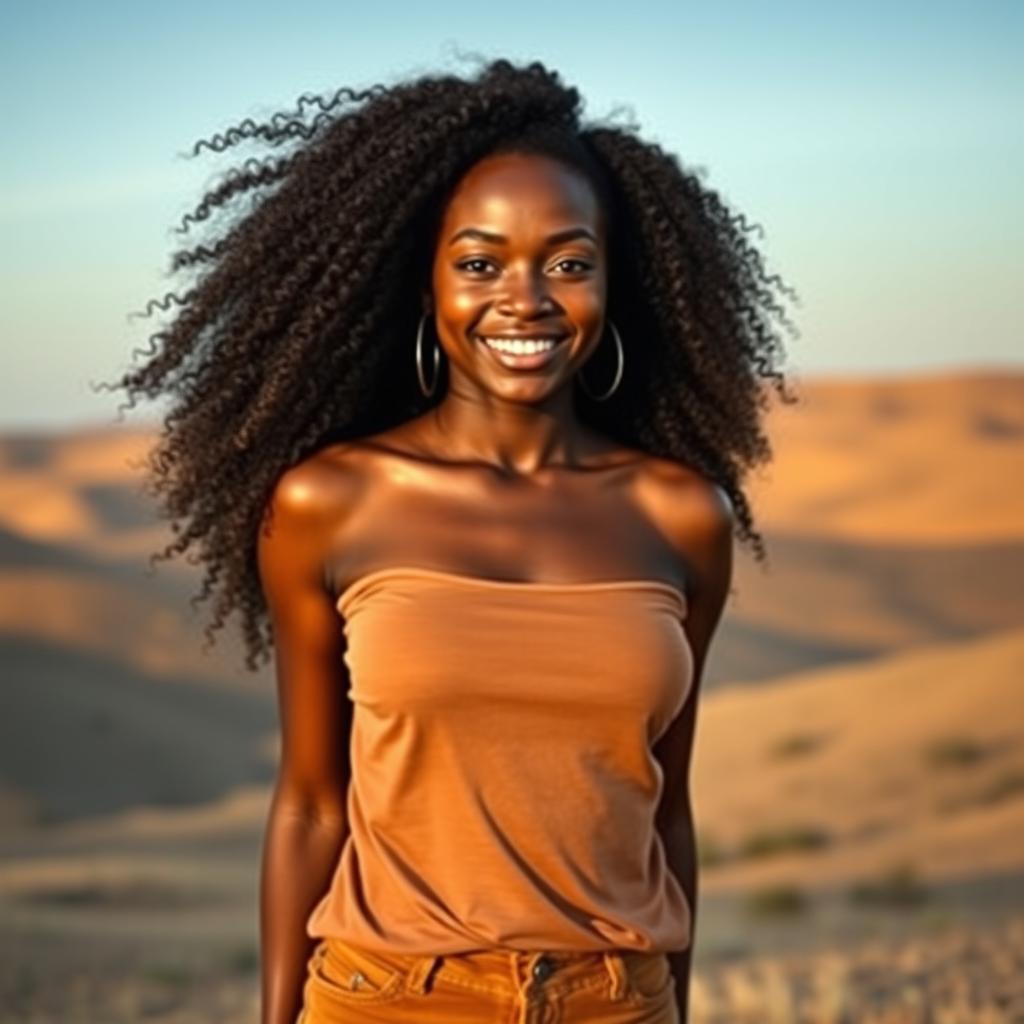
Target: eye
pixel 466 264
pixel 582 264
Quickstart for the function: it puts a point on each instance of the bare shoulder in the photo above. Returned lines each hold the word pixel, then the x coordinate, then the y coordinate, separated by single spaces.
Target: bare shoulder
pixel 686 503
pixel 308 507
pixel 697 517
pixel 325 488
pixel 320 485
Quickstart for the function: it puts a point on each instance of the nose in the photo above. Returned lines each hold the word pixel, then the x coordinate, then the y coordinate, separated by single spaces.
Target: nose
pixel 527 295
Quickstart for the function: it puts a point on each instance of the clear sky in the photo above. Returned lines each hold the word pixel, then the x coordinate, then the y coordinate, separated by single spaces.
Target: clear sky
pixel 880 145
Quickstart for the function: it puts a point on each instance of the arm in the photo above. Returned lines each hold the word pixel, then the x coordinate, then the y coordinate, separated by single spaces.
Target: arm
pixel 307 824
pixel 705 529
pixel 681 853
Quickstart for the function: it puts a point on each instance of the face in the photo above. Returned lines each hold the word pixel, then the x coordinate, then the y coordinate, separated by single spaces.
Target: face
pixel 520 255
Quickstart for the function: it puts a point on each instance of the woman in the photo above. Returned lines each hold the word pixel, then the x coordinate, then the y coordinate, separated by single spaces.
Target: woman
pixel 464 407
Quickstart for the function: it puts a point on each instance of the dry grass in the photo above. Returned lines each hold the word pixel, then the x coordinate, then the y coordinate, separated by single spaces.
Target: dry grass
pixel 961 976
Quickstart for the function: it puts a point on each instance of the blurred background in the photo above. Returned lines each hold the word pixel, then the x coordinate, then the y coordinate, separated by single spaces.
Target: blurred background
pixel 859 770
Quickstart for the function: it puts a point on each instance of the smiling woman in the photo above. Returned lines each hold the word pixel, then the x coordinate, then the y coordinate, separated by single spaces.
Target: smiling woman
pixel 490 579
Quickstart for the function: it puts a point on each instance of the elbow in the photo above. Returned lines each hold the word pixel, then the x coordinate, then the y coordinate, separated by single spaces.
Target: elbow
pixel 305 809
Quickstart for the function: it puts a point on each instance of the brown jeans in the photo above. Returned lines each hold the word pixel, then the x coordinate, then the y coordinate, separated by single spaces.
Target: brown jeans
pixel 350 985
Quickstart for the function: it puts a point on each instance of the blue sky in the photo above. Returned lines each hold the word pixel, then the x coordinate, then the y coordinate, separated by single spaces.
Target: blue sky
pixel 879 145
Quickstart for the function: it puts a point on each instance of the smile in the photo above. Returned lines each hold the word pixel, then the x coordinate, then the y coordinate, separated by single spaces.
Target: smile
pixel 521 353
pixel 520 346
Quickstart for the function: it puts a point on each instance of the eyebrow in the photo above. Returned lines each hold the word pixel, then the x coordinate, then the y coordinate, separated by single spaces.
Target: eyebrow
pixel 489 236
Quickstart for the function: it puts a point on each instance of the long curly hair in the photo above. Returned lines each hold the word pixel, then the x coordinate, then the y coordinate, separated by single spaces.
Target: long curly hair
pixel 296 324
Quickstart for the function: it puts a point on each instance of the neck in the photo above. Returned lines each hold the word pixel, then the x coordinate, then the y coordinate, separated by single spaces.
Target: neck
pixel 515 438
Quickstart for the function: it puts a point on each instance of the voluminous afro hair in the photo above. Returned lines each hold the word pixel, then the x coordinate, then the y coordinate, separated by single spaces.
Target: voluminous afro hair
pixel 297 323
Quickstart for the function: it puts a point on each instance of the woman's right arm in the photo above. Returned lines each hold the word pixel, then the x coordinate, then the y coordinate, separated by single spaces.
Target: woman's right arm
pixel 307 823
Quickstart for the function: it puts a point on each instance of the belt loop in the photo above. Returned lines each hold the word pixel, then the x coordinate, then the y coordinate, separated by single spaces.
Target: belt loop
pixel 617 970
pixel 416 981
pixel 521 1003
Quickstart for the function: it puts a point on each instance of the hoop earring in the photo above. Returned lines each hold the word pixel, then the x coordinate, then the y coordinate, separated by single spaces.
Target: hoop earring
pixel 428 392
pixel 618 372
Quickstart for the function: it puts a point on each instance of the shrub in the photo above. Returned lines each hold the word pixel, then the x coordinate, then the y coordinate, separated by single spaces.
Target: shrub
pixel 242 960
pixel 771 842
pixel 776 901
pixel 897 887
pixel 796 745
pixel 955 752
pixel 709 851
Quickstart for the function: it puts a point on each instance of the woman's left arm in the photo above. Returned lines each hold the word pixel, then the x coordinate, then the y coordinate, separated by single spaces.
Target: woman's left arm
pixel 702 523
pixel 681 854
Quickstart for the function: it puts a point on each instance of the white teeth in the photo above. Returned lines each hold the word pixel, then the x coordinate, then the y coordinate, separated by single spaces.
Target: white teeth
pixel 521 346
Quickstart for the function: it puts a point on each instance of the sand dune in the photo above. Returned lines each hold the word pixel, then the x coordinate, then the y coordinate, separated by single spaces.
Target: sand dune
pixel 128 621
pixel 919 755
pixel 83 488
pixel 918 459
pixel 823 601
pixel 84 736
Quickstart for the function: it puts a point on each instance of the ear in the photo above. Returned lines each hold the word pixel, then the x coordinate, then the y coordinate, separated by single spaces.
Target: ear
pixel 426 301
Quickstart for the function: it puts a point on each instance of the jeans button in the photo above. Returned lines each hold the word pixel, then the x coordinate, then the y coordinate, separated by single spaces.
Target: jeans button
pixel 542 968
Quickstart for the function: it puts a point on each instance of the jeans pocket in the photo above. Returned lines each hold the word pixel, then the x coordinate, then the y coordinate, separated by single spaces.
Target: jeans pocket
pixel 650 978
pixel 351 975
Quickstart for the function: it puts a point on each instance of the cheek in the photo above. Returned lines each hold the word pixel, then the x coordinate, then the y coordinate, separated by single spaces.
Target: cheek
pixel 462 303
pixel 456 299
pixel 586 305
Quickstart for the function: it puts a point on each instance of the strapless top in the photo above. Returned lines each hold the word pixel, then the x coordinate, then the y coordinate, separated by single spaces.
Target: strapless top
pixel 503 787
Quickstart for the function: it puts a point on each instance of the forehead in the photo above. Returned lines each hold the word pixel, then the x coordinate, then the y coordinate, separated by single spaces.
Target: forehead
pixel 522 193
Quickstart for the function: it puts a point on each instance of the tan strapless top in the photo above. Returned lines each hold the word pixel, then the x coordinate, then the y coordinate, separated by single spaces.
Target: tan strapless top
pixel 503 787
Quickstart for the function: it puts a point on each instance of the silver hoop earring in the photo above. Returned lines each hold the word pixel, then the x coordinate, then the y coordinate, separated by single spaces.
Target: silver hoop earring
pixel 618 372
pixel 419 359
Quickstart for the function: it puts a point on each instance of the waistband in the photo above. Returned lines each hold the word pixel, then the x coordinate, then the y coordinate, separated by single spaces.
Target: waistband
pixel 521 974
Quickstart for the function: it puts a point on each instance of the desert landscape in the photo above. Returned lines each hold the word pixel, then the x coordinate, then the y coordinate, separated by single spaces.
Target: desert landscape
pixel 858 774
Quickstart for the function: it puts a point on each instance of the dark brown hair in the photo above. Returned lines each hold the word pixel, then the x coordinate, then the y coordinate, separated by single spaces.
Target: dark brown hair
pixel 299 316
